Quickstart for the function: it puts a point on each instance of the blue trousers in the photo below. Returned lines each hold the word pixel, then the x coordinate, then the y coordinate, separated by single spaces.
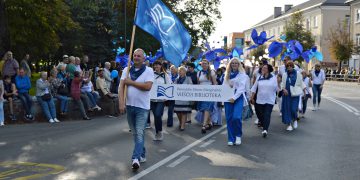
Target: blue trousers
pixel 158 110
pixel 48 107
pixel 26 102
pixel 289 108
pixel 2 118
pixel 316 93
pixel 93 97
pixel 63 103
pixel 233 113
pixel 137 118
pixel 170 119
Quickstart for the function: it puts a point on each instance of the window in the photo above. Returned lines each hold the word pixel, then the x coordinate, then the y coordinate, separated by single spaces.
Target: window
pixel 357 39
pixel 315 22
pixel 357 15
pixel 308 24
pixel 239 42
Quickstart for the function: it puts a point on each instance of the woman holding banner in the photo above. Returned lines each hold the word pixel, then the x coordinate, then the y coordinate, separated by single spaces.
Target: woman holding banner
pixel 182 108
pixel 265 88
pixel 235 77
pixel 157 106
pixel 206 77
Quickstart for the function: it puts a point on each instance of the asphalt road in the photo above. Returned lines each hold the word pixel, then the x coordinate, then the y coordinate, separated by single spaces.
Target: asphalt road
pixel 326 146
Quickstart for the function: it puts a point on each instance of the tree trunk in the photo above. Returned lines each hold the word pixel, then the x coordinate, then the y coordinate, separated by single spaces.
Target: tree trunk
pixel 4 31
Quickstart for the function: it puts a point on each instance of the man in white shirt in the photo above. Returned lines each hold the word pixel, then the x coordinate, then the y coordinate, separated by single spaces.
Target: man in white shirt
pixel 136 102
pixel 318 79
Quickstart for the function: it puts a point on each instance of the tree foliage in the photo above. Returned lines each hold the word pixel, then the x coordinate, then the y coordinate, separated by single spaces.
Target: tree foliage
pixel 260 51
pixel 94 27
pixel 341 45
pixel 295 30
pixel 4 32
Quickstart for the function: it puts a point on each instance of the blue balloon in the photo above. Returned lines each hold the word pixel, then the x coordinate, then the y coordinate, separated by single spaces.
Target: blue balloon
pixel 114 74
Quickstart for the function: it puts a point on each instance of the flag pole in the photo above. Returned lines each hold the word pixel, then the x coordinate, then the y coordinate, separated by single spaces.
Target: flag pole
pixel 131 50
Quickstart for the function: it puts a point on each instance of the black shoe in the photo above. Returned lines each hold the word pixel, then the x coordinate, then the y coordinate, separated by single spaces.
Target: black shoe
pixel 203 130
pixel 86 118
pixel 188 122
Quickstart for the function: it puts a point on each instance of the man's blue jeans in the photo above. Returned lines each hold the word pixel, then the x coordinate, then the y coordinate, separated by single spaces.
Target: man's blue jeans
pixel 48 107
pixel 63 103
pixel 137 118
pixel 93 97
pixel 316 93
pixel 26 102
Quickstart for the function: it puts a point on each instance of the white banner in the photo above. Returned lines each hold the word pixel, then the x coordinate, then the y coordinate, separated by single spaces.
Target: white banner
pixel 185 92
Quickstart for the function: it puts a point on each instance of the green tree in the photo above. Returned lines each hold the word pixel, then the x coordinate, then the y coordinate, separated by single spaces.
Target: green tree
pixel 260 51
pixel 341 45
pixel 34 26
pixel 4 32
pixel 295 30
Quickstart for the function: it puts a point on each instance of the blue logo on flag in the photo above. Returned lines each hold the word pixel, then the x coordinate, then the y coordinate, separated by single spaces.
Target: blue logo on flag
pixel 167 92
pixel 155 18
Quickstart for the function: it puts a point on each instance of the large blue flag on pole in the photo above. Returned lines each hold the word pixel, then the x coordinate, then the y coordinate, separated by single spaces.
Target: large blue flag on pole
pixel 155 18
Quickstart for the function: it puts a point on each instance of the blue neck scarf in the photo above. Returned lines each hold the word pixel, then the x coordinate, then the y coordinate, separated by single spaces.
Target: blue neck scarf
pixel 233 74
pixel 317 72
pixel 265 78
pixel 173 77
pixel 136 74
pixel 181 80
pixel 292 77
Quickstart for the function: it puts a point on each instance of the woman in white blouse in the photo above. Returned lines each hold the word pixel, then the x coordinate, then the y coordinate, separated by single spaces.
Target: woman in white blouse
pixel 206 77
pixel 265 89
pixel 307 95
pixel 235 77
pixel 318 78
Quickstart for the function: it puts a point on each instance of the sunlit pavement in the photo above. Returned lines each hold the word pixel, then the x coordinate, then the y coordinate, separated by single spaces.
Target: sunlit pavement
pixel 326 146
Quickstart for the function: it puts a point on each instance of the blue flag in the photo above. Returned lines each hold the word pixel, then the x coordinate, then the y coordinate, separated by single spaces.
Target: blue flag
pixel 155 18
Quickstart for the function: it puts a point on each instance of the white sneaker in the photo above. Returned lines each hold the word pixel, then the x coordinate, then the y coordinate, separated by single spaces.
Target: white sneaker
pixel 135 164
pixel 56 120
pixel 51 121
pixel 98 108
pixel 314 108
pixel 264 133
pixel 289 128
pixel 256 121
pixel 318 107
pixel 295 124
pixel 142 160
pixel 2 124
pixel 238 141
pixel 230 143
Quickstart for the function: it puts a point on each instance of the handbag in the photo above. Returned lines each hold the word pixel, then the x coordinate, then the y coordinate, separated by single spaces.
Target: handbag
pixel 46 97
pixel 63 90
pixel 295 91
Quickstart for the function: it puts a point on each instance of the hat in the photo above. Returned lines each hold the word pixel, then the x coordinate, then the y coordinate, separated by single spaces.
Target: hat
pixel 65 56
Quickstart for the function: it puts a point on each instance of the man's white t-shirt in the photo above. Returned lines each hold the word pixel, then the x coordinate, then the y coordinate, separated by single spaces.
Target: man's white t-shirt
pixel 136 97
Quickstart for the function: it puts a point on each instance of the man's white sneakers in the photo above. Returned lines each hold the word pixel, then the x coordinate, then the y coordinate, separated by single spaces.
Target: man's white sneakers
pixel 256 121
pixel 135 164
pixel 56 120
pixel 230 143
pixel 51 121
pixel 264 133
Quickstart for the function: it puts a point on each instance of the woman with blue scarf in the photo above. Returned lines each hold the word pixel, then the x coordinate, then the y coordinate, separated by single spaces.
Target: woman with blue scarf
pixel 292 87
pixel 318 77
pixel 171 103
pixel 206 77
pixel 235 77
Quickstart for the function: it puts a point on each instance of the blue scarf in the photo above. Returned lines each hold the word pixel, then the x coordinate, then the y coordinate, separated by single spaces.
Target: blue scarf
pixel 136 74
pixel 263 78
pixel 173 77
pixel 292 77
pixel 181 80
pixel 317 72
pixel 233 74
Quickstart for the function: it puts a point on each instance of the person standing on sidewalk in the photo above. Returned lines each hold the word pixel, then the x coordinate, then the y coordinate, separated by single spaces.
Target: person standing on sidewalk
pixel 137 104
pixel 318 78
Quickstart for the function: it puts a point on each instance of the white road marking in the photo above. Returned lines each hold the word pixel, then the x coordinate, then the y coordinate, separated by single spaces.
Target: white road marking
pixel 207 143
pixel 176 154
pixel 339 104
pixel 352 108
pixel 178 161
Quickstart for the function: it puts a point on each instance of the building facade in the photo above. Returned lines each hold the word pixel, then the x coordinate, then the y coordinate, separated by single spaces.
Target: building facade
pixel 319 16
pixel 354 62
pixel 235 39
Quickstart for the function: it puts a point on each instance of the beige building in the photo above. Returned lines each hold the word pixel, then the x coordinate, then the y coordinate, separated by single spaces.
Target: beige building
pixel 235 39
pixel 355 31
pixel 319 16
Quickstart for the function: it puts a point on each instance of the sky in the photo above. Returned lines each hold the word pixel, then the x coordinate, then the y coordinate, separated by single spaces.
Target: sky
pixel 239 15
